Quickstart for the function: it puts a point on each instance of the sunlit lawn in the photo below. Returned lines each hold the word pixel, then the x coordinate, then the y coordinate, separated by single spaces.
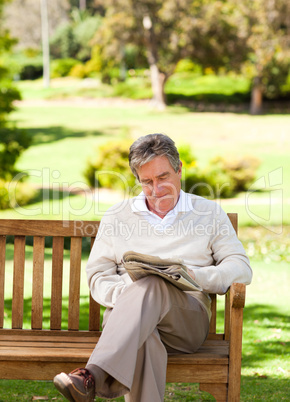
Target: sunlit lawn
pixel 64 137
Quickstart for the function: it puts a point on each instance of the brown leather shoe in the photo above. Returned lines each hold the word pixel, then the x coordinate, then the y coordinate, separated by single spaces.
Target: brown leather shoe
pixel 77 386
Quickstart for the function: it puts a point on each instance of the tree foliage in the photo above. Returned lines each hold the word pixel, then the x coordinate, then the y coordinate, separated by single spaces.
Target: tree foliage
pixel 72 39
pixel 209 32
pixel 268 43
pixel 12 141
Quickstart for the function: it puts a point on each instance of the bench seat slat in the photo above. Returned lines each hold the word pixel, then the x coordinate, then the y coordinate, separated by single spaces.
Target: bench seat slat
pixel 202 373
pixel 36 370
pixel 41 354
pixel 54 348
pixel 60 353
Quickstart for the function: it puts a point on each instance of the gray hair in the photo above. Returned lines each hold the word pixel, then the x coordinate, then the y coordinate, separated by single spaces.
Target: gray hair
pixel 148 147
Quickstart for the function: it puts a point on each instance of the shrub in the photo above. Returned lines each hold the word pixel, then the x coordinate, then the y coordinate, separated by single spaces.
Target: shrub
pixel 31 71
pixel 111 168
pixel 187 65
pixel 8 94
pixel 78 71
pixel 12 195
pixel 186 156
pixel 62 67
pixel 93 66
pixel 241 171
pixel 25 65
pixel 223 178
pixel 209 183
pixel 13 143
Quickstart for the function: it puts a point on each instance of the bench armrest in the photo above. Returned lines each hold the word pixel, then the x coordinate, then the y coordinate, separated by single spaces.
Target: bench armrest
pixel 237 295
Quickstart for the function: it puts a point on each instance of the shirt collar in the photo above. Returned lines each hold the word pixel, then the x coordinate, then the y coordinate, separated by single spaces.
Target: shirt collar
pixel 184 203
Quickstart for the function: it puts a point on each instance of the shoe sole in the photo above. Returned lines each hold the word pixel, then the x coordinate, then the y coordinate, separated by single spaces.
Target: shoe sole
pixel 62 388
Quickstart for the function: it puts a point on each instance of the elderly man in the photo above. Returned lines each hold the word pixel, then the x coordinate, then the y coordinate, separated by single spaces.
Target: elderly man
pixel 147 319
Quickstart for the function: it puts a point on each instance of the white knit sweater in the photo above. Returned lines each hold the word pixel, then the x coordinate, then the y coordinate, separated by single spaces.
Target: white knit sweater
pixel 202 236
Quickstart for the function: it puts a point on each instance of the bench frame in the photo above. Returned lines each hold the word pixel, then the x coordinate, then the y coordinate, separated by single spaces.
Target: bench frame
pixel 39 354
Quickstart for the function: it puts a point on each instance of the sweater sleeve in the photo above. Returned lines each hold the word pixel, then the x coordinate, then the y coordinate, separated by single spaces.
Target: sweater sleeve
pixel 103 279
pixel 231 263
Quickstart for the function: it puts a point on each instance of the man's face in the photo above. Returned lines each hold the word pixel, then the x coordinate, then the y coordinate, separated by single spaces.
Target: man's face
pixel 161 185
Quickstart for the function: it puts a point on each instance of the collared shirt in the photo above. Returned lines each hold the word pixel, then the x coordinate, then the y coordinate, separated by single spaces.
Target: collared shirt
pixel 183 204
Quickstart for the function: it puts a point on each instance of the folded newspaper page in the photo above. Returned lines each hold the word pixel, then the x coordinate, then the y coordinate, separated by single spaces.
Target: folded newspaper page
pixel 140 265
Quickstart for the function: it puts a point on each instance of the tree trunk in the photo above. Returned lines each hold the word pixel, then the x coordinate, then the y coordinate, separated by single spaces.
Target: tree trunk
pixel 158 81
pixel 45 43
pixel 83 4
pixel 256 97
pixel 158 78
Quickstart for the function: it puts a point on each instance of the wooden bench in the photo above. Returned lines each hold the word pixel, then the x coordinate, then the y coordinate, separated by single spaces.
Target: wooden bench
pixel 36 353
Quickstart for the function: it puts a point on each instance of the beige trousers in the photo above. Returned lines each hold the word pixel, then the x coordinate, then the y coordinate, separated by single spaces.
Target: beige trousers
pixel 151 318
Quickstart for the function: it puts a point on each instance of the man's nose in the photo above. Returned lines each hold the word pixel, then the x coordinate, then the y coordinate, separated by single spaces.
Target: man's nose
pixel 157 189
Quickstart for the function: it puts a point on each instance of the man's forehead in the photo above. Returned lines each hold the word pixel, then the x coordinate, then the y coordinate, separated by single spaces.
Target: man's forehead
pixel 157 175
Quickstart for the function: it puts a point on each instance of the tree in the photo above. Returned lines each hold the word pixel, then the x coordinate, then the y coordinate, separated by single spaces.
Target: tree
pixel 268 43
pixel 13 141
pixel 207 31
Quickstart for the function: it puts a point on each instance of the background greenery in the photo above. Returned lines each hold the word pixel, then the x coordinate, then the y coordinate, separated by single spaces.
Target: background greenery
pixel 211 69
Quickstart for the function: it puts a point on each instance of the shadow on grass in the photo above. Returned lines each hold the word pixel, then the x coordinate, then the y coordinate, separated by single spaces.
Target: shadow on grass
pixel 46 135
pixel 237 102
pixel 264 335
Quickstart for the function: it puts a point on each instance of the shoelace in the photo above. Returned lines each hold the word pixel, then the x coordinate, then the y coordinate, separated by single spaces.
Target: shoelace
pixel 86 375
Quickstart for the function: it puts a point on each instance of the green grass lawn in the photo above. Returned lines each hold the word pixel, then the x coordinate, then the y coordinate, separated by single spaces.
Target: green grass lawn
pixel 64 137
pixel 183 85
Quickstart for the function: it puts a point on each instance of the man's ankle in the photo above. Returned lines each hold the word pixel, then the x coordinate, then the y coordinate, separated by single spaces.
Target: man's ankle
pixel 99 375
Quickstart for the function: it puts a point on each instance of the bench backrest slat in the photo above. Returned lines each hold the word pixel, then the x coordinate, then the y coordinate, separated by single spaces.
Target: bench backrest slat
pixel 74 283
pixel 37 282
pixel 56 283
pixel 18 282
pixel 2 277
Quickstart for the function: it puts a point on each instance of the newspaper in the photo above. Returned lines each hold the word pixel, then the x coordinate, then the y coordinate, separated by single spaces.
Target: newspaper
pixel 140 265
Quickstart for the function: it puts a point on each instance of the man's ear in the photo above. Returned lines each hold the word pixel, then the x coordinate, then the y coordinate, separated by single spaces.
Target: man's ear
pixel 180 169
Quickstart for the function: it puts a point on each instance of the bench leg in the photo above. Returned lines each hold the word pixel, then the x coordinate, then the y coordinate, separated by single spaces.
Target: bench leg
pixel 218 391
